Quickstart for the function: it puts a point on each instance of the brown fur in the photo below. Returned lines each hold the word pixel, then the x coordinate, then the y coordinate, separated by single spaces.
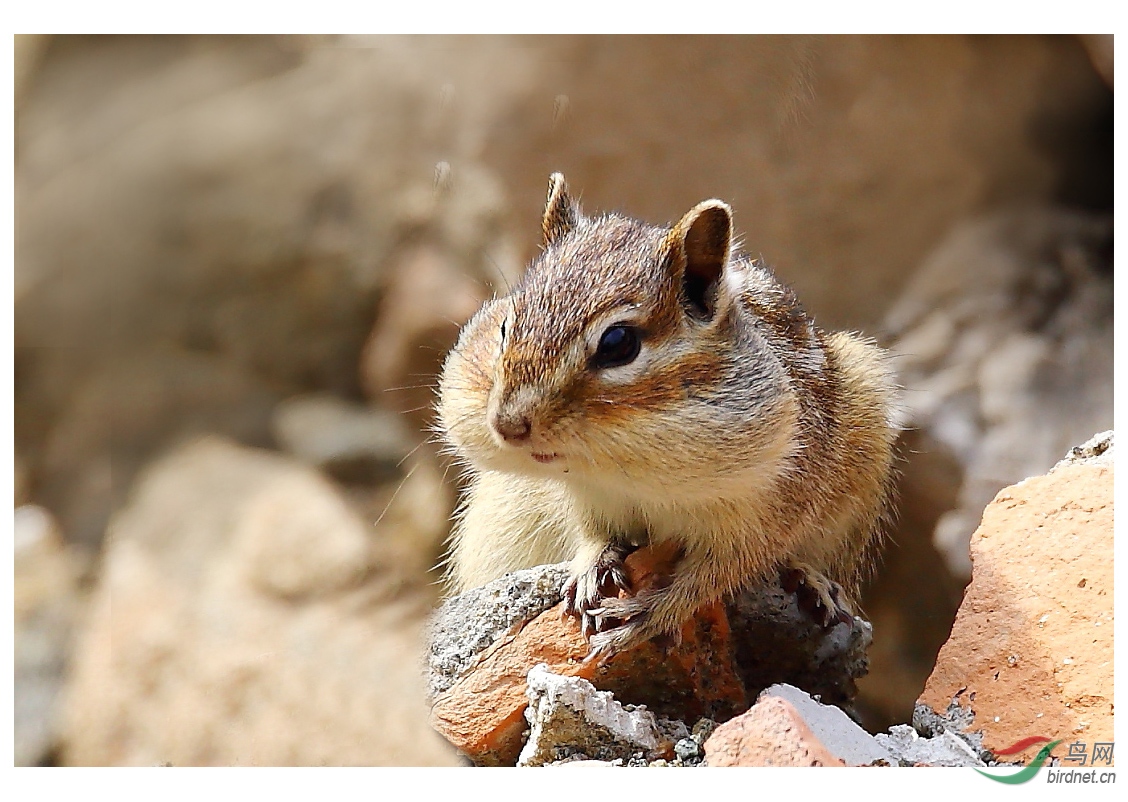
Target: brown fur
pixel 741 433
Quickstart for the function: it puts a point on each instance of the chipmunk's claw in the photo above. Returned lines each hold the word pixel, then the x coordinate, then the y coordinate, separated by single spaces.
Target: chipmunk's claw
pixel 584 593
pixel 612 641
pixel 610 573
pixel 821 598
pixel 616 577
pixel 612 617
pixel 624 623
pixel 628 635
pixel 569 594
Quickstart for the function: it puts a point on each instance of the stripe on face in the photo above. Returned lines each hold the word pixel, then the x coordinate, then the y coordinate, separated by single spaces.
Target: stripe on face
pixel 608 267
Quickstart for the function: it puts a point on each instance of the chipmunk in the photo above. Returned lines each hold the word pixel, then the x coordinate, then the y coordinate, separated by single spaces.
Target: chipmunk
pixel 650 385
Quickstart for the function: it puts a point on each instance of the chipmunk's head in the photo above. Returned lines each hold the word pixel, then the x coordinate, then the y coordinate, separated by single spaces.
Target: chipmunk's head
pixel 621 357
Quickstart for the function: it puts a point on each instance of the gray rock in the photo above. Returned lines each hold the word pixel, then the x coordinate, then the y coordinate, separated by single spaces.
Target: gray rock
pixel 702 730
pixel 567 715
pixel 586 763
pixel 777 642
pixel 837 732
pixel 945 749
pixel 1097 450
pixel 774 640
pixel 956 720
pixel 687 749
pixel 466 624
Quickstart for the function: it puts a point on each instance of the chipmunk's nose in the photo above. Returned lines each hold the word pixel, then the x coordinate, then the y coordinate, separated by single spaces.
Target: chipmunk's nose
pixel 514 427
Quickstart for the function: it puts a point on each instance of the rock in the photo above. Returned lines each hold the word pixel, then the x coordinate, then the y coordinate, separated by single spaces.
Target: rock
pixel 350 442
pixel 481 711
pixel 687 750
pixel 702 730
pixel 1031 649
pixel 484 643
pixel 296 540
pixel 1097 450
pixel 772 733
pixel 47 603
pixel 834 729
pixel 567 716
pixel 910 749
pixel 776 642
pixel 244 616
pixel 283 195
pixel 786 727
pixel 467 624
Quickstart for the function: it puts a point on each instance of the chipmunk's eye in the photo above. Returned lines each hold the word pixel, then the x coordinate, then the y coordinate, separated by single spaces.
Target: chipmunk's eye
pixel 619 345
pixel 503 331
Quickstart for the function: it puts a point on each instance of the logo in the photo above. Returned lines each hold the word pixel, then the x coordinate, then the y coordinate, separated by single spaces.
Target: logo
pixel 1027 773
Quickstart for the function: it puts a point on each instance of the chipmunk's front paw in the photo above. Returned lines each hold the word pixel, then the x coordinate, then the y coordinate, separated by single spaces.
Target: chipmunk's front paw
pixel 821 598
pixel 623 623
pixel 585 592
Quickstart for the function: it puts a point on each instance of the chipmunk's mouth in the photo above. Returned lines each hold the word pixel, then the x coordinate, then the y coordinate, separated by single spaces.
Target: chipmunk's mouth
pixel 544 458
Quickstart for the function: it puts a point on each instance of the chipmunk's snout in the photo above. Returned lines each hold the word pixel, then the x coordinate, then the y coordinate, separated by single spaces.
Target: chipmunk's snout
pixel 511 416
pixel 515 418
pixel 514 426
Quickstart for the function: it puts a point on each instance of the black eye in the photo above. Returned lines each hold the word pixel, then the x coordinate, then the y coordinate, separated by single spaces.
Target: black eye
pixel 619 345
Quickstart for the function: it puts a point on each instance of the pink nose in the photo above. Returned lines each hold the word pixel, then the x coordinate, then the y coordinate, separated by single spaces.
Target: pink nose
pixel 512 428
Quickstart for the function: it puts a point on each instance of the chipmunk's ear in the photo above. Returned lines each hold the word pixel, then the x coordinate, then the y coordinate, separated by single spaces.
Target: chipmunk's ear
pixel 703 237
pixel 561 213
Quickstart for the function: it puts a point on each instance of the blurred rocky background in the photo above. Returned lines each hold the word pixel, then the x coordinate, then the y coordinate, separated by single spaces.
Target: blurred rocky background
pixel 239 262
